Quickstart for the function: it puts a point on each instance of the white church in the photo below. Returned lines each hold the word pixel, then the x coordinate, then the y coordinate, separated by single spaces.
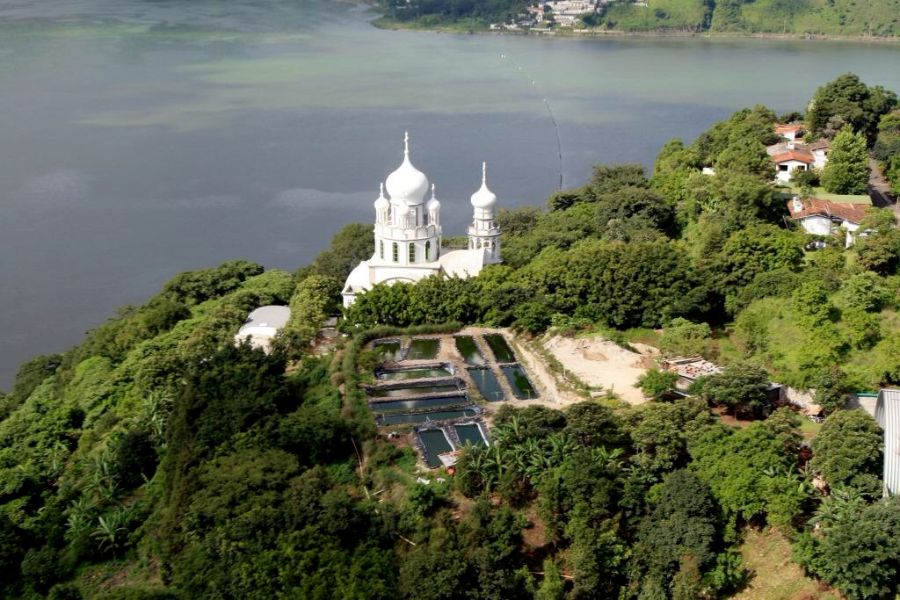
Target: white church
pixel 408 234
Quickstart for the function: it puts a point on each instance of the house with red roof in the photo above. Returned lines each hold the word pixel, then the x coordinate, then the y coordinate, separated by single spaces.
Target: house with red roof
pixel 791 160
pixel 790 131
pixel 791 155
pixel 823 217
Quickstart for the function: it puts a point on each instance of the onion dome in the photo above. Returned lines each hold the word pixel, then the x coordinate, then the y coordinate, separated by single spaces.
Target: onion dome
pixel 433 204
pixel 382 202
pixel 484 198
pixel 407 183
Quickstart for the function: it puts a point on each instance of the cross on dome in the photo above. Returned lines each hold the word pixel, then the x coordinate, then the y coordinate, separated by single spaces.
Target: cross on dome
pixel 484 197
pixel 433 204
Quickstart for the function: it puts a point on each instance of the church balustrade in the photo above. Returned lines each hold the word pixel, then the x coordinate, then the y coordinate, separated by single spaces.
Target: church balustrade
pixel 401 233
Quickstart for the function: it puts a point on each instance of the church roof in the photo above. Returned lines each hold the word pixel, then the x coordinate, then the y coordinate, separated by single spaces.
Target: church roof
pixel 484 197
pixel 407 184
pixel 463 263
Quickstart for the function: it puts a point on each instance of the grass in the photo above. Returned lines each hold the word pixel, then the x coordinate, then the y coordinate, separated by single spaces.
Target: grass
pixel 774 576
pixel 821 194
pixel 809 429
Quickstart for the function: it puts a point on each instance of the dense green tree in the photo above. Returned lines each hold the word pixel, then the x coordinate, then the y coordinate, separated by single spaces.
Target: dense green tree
pixel 848 451
pixel 683 522
pixel 741 387
pixel 848 101
pixel 755 250
pixel 657 385
pixel 660 433
pixel 859 554
pixel 684 338
pixel 745 156
pixel 194 287
pixel 831 389
pixel 887 143
pixel 633 212
pixel 847 170
pixel 880 252
pixel 751 473
pixel 352 244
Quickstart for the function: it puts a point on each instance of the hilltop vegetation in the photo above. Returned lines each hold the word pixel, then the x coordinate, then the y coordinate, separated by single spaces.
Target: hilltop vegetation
pixel 819 17
pixel 157 460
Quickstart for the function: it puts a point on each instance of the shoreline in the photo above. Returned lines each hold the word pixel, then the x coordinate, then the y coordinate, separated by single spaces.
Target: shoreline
pixel 465 28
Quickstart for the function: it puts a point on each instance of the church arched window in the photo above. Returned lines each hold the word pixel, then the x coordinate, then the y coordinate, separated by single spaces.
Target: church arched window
pixel 428 251
pixel 412 253
pixel 396 252
pixel 381 249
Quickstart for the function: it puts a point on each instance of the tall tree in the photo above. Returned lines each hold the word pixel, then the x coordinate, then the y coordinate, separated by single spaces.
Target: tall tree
pixel 848 101
pixel 848 451
pixel 847 170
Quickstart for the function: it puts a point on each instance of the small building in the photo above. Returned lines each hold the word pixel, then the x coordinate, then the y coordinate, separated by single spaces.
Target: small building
pixel 262 325
pixel 790 156
pixel 791 161
pixel 887 413
pixel 790 131
pixel 819 150
pixel 689 369
pixel 823 217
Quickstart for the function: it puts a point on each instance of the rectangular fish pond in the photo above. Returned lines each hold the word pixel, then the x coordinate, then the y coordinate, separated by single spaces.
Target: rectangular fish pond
pixel 415 390
pixel 502 352
pixel 487 384
pixel 423 349
pixel 468 349
pixel 469 433
pixel 412 418
pixel 414 373
pixel 388 350
pixel 414 404
pixel 434 442
pixel 518 380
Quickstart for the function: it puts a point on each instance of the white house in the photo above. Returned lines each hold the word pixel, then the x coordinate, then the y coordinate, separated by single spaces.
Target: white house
pixel 791 161
pixel 262 325
pixel 408 234
pixel 819 150
pixel 789 131
pixel 822 217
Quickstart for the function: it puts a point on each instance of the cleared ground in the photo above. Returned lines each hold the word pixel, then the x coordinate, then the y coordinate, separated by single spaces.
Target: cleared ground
pixel 602 364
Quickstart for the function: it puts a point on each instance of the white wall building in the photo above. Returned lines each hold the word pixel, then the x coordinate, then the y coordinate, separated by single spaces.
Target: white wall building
pixel 408 234
pixel 822 217
pixel 262 325
pixel 787 163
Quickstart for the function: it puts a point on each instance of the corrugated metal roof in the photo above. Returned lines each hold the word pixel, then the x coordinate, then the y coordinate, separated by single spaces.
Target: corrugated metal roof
pixel 887 413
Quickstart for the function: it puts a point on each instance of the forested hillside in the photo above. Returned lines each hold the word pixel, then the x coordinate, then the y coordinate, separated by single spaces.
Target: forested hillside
pixel 157 460
pixel 819 17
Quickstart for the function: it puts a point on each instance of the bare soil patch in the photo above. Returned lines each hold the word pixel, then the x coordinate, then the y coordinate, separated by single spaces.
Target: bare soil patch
pixel 602 364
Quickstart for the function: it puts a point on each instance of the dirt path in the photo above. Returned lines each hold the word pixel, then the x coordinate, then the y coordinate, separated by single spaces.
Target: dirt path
pixel 880 188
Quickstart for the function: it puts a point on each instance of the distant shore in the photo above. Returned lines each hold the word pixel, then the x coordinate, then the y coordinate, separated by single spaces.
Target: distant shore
pixel 473 27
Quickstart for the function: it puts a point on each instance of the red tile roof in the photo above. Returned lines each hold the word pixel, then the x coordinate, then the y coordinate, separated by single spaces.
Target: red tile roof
pixel 819 145
pixel 813 207
pixel 798 155
pixel 785 127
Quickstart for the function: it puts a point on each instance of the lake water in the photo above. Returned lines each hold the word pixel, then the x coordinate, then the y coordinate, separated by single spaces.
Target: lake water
pixel 142 138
